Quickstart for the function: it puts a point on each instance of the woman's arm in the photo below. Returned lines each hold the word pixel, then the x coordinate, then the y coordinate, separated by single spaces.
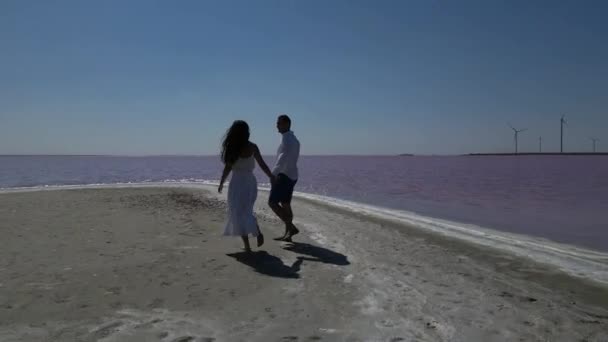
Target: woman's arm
pixel 262 163
pixel 225 173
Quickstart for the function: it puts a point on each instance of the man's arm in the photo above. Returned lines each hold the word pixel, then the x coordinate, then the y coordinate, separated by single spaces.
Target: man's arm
pixel 281 164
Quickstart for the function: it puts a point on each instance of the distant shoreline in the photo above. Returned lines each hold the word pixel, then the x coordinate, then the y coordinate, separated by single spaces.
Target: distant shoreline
pixel 541 154
pixel 316 155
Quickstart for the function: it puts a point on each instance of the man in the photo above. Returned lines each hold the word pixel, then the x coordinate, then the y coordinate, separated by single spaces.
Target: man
pixel 286 176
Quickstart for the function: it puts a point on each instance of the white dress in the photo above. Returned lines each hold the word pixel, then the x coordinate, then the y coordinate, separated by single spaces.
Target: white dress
pixel 242 193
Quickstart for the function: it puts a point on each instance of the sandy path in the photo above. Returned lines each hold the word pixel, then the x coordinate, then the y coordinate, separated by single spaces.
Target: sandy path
pixel 150 264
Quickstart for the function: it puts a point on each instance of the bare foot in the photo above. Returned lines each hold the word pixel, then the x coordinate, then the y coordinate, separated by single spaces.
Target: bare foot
pixel 281 238
pixel 293 230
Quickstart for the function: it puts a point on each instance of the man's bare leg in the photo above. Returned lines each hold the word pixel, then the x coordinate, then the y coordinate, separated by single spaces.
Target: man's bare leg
pixel 289 226
pixel 283 215
pixel 288 213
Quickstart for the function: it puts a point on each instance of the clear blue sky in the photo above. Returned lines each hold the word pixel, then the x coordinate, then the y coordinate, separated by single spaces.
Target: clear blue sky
pixel 357 77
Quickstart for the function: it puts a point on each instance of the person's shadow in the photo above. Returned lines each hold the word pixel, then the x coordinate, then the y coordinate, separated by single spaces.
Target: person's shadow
pixel 267 264
pixel 316 253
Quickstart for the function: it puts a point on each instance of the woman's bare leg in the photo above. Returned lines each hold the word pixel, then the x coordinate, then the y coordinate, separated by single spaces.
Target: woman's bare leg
pixel 260 237
pixel 246 243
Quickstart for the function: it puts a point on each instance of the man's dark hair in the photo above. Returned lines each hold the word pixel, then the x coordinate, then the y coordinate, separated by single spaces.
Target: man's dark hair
pixel 285 118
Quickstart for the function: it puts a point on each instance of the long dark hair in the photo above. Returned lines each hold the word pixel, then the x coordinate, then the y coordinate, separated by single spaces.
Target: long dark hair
pixel 235 139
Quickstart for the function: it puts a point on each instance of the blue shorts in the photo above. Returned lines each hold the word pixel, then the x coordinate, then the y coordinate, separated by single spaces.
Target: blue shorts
pixel 282 190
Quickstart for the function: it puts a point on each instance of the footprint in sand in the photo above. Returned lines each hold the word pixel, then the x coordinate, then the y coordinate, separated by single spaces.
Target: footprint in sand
pixel 529 299
pixel 61 299
pixel 432 325
pixel 116 305
pixel 107 329
pixel 147 325
pixel 157 302
pixel 189 287
pixel 183 339
pixel 220 267
pixel 387 323
pixel 506 294
pixel 192 339
pixel 113 290
pixel 589 321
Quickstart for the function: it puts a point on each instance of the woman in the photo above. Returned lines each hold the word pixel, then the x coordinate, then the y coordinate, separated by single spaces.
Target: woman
pixel 239 156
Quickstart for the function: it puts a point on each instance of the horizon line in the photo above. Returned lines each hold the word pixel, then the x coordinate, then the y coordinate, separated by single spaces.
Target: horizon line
pixel 213 155
pixel 304 155
pixel 178 155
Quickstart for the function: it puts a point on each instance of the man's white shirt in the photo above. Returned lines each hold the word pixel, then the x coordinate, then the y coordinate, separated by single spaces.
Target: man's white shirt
pixel 287 156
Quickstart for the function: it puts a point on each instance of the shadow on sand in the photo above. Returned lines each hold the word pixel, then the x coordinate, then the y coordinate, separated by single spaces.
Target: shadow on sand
pixel 267 264
pixel 318 254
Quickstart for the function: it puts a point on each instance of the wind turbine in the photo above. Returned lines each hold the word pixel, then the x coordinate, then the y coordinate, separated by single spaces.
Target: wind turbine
pixel 594 140
pixel 517 131
pixel 562 122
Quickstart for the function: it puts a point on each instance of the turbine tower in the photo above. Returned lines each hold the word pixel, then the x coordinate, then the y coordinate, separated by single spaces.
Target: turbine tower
pixel 562 122
pixel 516 134
pixel 594 140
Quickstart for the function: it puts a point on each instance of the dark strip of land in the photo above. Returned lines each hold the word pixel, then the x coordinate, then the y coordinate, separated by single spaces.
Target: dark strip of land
pixel 542 154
